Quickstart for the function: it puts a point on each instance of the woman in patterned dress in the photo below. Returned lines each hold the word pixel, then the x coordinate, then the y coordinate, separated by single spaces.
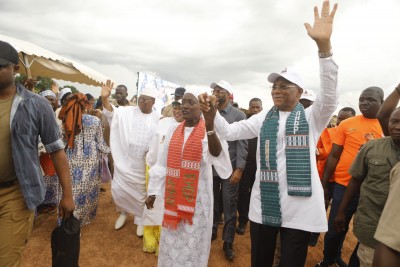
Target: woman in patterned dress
pixel 85 147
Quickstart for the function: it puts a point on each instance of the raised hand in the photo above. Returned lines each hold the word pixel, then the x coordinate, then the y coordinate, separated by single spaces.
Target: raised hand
pixel 106 89
pixel 321 31
pixel 207 106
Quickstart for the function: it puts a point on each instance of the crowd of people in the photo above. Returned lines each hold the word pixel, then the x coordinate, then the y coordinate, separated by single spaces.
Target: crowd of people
pixel 204 162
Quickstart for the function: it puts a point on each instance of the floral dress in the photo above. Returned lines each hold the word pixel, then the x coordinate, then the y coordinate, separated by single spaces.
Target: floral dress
pixel 85 168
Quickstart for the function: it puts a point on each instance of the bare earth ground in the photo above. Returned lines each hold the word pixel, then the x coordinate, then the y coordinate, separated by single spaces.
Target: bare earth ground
pixel 101 245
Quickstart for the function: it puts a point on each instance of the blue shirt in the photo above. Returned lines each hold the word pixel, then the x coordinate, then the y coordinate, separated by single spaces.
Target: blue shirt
pixel 32 116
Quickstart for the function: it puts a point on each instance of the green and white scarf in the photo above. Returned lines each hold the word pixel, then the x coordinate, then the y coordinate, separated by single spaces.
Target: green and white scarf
pixel 297 162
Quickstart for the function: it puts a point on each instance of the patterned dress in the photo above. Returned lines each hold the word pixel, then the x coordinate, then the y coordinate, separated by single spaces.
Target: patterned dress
pixel 85 168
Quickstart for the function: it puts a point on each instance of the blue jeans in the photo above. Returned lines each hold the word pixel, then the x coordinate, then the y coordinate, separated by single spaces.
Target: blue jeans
pixel 333 240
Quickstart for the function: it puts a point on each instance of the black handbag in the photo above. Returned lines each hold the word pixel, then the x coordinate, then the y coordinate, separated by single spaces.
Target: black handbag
pixel 65 243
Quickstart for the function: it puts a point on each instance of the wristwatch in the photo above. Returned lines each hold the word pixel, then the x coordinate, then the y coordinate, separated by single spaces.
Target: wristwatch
pixel 210 132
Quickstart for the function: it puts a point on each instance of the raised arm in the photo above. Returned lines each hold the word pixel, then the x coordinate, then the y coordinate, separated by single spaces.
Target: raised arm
pixel 105 94
pixel 387 108
pixel 240 130
pixel 321 31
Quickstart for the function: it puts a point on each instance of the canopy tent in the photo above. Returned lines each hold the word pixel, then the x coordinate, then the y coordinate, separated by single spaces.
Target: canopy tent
pixel 37 61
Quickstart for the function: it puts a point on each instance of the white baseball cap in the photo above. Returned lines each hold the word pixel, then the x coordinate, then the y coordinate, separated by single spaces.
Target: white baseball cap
pixel 151 92
pixel 224 85
pixel 309 95
pixel 289 74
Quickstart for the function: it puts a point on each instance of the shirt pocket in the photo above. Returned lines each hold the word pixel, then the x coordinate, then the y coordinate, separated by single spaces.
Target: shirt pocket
pixel 378 166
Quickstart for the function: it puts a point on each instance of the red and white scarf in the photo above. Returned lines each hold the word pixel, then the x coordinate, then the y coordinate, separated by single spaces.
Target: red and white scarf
pixel 183 169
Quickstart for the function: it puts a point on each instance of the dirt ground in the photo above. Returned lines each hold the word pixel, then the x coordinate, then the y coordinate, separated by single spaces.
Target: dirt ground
pixel 101 245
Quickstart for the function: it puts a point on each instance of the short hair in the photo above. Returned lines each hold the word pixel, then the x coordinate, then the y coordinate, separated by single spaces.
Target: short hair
pixel 348 109
pixel 99 103
pixel 123 86
pixel 89 96
pixel 255 99
pixel 376 89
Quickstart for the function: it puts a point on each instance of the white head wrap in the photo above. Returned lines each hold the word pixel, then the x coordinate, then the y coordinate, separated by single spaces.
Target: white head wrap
pixel 48 93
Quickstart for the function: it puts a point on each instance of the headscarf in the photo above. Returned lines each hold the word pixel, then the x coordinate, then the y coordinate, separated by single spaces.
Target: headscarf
pixel 48 93
pixel 71 116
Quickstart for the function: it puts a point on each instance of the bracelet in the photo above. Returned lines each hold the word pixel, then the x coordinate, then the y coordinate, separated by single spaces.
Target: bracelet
pixel 398 90
pixel 325 55
pixel 210 132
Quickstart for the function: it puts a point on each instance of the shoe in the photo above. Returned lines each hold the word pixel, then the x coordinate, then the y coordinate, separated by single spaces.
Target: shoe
pixel 241 228
pixel 325 263
pixel 120 221
pixel 139 230
pixel 213 236
pixel 340 262
pixel 228 249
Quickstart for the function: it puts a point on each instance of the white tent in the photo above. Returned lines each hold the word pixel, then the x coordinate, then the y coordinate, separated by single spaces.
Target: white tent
pixel 37 61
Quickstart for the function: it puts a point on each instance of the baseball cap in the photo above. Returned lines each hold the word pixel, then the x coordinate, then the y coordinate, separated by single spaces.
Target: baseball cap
pixel 289 74
pixel 8 54
pixel 223 84
pixel 309 95
pixel 180 91
pixel 151 92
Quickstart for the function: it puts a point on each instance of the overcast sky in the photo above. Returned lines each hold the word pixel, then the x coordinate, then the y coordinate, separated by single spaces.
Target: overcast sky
pixel 197 42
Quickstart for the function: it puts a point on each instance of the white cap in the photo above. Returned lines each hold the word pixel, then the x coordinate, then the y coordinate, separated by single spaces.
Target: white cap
pixel 149 92
pixel 289 74
pixel 224 85
pixel 63 92
pixel 309 95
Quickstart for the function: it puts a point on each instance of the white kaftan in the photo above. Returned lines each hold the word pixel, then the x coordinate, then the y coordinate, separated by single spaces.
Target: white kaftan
pixel 189 245
pixel 131 132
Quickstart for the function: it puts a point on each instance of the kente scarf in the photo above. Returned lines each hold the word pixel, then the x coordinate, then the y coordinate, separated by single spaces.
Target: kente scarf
pixel 71 116
pixel 183 170
pixel 298 168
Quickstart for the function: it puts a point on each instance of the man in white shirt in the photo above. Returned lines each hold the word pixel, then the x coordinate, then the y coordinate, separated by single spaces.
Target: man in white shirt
pixel 132 128
pixel 287 195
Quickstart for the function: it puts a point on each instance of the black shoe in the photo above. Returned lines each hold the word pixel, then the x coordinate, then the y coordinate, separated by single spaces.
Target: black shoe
pixel 213 236
pixel 340 262
pixel 241 228
pixel 325 263
pixel 229 253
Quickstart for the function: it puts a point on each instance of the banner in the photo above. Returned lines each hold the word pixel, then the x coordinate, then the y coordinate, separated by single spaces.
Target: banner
pixel 165 89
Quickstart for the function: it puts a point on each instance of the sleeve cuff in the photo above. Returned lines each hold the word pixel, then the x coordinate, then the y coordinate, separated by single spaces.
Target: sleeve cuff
pixel 55 146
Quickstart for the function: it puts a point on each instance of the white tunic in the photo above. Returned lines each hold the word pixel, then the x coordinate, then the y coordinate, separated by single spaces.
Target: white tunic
pixel 189 245
pixel 303 213
pixel 156 214
pixel 131 132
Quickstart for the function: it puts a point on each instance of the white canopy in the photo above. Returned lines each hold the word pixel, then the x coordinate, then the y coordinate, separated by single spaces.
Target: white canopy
pixel 37 61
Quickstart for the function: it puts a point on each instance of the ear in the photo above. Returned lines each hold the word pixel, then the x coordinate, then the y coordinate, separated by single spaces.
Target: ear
pixel 300 91
pixel 16 69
